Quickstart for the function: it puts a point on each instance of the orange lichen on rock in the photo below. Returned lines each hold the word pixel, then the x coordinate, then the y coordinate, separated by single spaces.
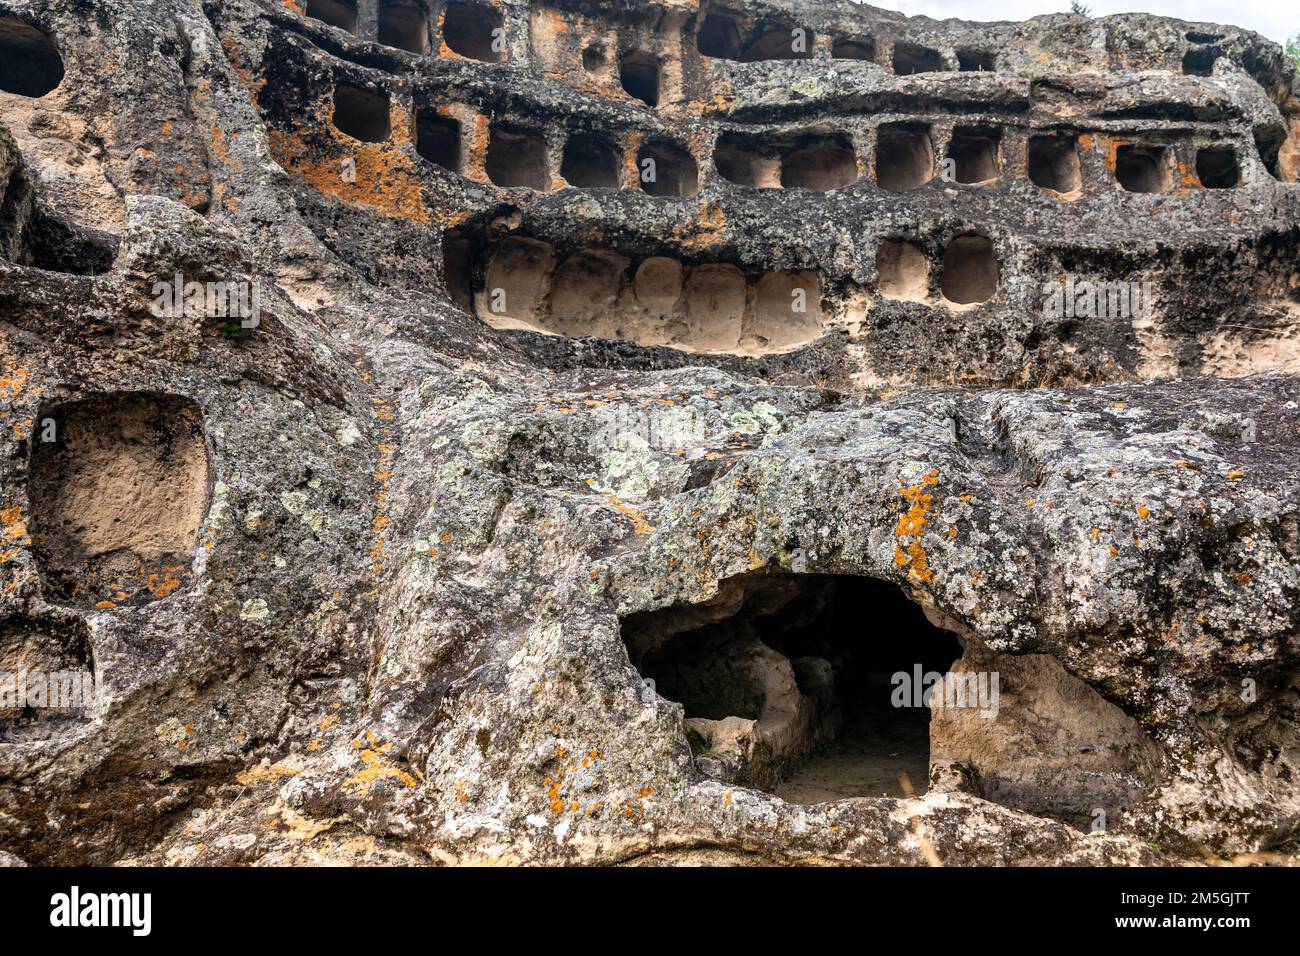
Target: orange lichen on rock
pixel 13 531
pixel 908 550
pixel 377 176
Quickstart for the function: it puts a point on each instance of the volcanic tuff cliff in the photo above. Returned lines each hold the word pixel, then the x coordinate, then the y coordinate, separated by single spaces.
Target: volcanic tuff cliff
pixel 603 341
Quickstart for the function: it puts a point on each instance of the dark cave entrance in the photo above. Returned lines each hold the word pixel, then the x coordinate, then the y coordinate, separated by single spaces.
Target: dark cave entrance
pixel 719 37
pixel 790 683
pixel 904 157
pixel 30 64
pixel 858 48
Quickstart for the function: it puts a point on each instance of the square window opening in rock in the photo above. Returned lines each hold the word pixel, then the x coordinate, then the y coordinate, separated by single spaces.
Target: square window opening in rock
pixel 740 160
pixel 912 58
pixel 821 665
pixel 589 162
pixel 640 76
pixel 474 30
pixel 970 270
pixel 974 152
pixel 404 25
pixel 667 170
pixel 1054 163
pixel 904 157
pixel 518 158
pixel 1216 167
pixel 1143 169
pixel 976 61
pixel 820 163
pixel 437 139
pixel 594 58
pixel 361 113
pixel 336 13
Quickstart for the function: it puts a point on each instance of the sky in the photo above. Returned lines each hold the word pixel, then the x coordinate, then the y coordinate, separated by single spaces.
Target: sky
pixel 1275 19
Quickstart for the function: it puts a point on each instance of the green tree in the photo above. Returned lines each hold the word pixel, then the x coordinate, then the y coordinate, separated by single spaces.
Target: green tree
pixel 1078 9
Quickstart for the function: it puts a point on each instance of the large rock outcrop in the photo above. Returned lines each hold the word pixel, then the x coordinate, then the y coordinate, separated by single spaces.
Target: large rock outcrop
pixel 529 432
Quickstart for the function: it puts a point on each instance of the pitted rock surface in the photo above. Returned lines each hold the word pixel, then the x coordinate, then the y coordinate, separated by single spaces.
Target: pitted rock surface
pixel 367 577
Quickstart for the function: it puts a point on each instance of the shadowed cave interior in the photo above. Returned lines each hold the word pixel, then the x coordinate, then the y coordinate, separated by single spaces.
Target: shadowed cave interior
pixel 786 682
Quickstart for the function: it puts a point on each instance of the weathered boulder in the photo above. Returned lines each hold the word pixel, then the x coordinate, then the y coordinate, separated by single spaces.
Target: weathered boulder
pixel 379 395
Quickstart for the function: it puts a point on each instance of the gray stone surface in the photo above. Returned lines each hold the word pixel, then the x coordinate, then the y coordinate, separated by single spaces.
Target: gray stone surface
pixel 394 636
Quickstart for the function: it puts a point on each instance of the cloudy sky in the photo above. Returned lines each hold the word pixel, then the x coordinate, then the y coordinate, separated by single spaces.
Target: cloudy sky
pixel 1275 19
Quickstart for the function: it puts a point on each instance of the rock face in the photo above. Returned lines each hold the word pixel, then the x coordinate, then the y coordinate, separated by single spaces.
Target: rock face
pixel 546 432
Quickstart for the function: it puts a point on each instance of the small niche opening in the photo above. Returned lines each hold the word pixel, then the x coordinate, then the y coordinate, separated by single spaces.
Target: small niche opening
pixel 779 43
pixel 912 58
pixel 820 164
pixel 1199 61
pixel 903 271
pixel 1054 163
pixel 58 653
pixel 974 152
pixel 714 303
pixel 787 309
pixel 437 139
pixel 593 58
pixel 970 270
pixel 457 266
pixel 1216 166
pixel 361 113
pixel 1143 169
pixel 857 48
pixel 799 684
pixel 1268 143
pixel 590 163
pixel 336 13
pixel 639 74
pixel 404 25
pixel 667 170
pixel 30 64
pixel 904 157
pixel 471 30
pixel 740 161
pixel 117 499
pixel 719 37
pixel 976 61
pixel 518 158
pixel 517 281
